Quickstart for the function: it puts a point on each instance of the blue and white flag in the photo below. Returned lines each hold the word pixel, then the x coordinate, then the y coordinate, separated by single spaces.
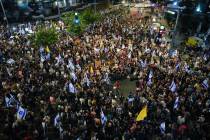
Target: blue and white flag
pixel 163 127
pixel 150 74
pixel 41 50
pixel 73 76
pixel 130 99
pixel 205 83
pixel 174 53
pixel 177 66
pixel 11 101
pixel 86 80
pixel 59 59
pixel 176 103
pixel 10 61
pixel 149 81
pixel 21 113
pixel 143 64
pixel 106 78
pixel 42 55
pixel 70 65
pixel 57 121
pixel 71 88
pixel 47 57
pixel 187 69
pixel 103 118
pixel 172 87
pixel 78 67
pixel 42 58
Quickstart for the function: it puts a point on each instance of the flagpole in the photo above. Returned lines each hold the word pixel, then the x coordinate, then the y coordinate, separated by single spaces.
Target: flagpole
pixel 5 17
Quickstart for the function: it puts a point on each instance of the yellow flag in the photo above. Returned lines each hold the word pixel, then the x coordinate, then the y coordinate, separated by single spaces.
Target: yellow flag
pixel 91 70
pixel 47 49
pixel 142 114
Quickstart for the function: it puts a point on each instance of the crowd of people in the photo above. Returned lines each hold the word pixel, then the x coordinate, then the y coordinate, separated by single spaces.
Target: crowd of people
pixel 70 90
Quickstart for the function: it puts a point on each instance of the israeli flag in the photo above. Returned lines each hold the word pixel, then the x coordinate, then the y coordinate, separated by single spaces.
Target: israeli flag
pixel 173 53
pixel 78 67
pixel 129 55
pixel 177 66
pixel 21 113
pixel 71 88
pixel 205 83
pixel 47 57
pixel 106 78
pixel 187 69
pixel 10 61
pixel 130 99
pixel 59 59
pixel 70 65
pixel 176 103
pixel 10 101
pixel 149 82
pixel 172 87
pixel 73 76
pixel 103 118
pixel 57 121
pixel 42 57
pixel 41 50
pixel 163 127
pixel 150 74
pixel 143 63
pixel 86 80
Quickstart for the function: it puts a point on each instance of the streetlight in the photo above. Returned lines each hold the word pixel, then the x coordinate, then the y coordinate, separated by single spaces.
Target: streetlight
pixel 76 18
pixel 95 6
pixel 198 9
pixel 5 16
pixel 59 13
pixel 175 3
pixel 178 10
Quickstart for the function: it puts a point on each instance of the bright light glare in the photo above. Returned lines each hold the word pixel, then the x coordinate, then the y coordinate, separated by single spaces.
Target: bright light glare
pixel 171 12
pixel 162 27
pixel 198 9
pixel 175 3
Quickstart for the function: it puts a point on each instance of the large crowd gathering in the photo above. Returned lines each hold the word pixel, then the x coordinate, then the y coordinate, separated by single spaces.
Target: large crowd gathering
pixel 71 90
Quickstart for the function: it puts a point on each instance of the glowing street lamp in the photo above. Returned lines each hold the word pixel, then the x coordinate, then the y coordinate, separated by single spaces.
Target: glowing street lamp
pixel 198 9
pixel 175 3
pixel 5 16
pixel 76 18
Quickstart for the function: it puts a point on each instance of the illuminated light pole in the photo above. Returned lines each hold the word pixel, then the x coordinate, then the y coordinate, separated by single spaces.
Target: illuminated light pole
pixel 59 13
pixel 178 10
pixel 198 10
pixel 5 16
pixel 95 6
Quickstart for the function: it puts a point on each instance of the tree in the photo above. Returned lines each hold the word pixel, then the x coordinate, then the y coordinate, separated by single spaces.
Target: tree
pixel 46 36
